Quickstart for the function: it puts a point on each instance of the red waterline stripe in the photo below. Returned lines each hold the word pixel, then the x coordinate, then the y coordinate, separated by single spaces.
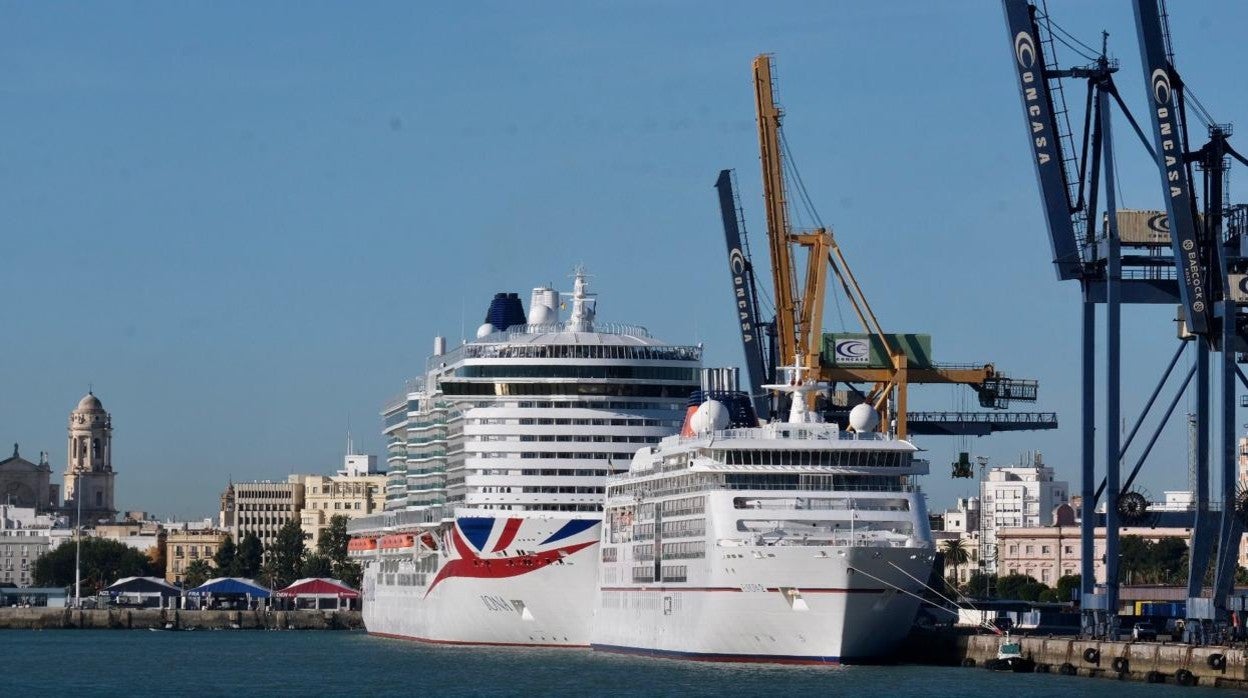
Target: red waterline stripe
pixel 430 641
pixel 706 657
pixel 739 590
pixel 508 535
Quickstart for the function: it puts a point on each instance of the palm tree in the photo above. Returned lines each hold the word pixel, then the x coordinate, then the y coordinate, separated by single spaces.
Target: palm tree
pixel 955 554
pixel 198 572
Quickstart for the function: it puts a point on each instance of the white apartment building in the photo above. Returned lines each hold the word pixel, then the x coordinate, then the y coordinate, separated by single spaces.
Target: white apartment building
pixel 1016 496
pixel 24 536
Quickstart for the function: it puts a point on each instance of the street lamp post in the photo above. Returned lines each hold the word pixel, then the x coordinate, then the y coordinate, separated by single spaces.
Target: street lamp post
pixel 78 541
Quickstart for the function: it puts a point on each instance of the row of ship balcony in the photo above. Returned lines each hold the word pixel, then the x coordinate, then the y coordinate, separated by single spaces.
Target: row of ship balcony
pixel 578 410
pixel 541 427
pixel 518 449
pixel 531 458
pixel 640 491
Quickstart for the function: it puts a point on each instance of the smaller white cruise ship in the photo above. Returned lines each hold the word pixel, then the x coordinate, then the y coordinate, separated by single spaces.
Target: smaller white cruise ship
pixel 793 542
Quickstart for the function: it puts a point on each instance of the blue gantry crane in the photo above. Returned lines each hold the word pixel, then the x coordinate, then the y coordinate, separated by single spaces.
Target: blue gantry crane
pixel 1122 262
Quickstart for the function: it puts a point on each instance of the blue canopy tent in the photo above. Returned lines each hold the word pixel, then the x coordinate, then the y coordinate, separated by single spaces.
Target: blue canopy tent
pixel 228 592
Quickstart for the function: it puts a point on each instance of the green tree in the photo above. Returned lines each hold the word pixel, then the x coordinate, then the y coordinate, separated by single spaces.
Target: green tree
pixel 955 553
pixel 316 565
pixel 978 586
pixel 1147 562
pixel 1068 588
pixel 1241 576
pixel 1019 586
pixel 349 573
pixel 268 575
pixel 1135 563
pixel 226 558
pixel 286 555
pixel 1033 590
pixel 249 556
pixel 198 572
pixel 1049 596
pixel 1170 558
pixel 332 543
pixel 103 562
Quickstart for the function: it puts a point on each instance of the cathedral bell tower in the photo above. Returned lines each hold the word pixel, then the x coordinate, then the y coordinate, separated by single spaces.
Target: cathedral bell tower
pixel 89 473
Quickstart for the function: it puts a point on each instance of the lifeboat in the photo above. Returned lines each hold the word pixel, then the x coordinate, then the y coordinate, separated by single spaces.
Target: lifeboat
pixel 399 541
pixel 361 545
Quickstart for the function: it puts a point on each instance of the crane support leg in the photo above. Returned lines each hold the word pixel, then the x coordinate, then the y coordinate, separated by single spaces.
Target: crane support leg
pixel 1113 374
pixel 1202 535
pixel 1229 533
pixel 1087 458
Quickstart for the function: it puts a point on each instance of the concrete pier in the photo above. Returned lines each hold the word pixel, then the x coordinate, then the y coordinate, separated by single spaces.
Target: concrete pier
pixel 172 619
pixel 1153 662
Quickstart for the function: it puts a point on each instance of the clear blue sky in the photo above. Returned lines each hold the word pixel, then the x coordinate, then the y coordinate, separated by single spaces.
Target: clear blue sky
pixel 245 222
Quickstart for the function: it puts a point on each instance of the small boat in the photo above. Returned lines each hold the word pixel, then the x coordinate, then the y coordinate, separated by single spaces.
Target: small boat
pixel 1010 657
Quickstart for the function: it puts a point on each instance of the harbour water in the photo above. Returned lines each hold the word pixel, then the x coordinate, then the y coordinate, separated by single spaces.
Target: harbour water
pixel 260 663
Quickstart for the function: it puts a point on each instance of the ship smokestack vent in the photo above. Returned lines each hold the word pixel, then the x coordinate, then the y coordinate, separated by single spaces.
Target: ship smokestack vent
pixel 721 385
pixel 505 311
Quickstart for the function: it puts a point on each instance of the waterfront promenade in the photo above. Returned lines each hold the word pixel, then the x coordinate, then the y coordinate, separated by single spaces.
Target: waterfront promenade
pixel 171 619
pixel 1149 662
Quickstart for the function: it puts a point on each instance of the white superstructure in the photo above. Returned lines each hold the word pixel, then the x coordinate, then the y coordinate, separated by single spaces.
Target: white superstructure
pixel 788 542
pixel 497 460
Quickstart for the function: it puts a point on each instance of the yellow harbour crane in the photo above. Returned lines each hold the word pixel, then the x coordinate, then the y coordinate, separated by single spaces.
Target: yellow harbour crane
pixel 798 331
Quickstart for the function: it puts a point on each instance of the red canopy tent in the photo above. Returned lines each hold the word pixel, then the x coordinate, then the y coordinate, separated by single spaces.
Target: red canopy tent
pixel 314 590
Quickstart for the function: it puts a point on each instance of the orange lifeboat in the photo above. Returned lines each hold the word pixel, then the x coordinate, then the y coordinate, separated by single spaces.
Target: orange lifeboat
pixel 360 545
pixel 403 540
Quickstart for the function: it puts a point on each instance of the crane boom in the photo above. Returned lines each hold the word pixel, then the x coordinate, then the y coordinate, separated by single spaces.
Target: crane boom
pixel 745 294
pixel 799 306
pixel 1044 135
pixel 1163 85
pixel 777 209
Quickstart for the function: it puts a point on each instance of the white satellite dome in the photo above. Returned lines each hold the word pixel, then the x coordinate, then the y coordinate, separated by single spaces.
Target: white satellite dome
pixel 863 418
pixel 710 416
pixel 485 331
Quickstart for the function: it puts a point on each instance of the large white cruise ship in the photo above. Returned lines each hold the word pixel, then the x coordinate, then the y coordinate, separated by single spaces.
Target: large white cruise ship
pixel 790 542
pixel 497 461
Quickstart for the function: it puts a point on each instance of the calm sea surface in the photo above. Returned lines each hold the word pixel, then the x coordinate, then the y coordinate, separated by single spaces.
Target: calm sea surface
pixel 258 663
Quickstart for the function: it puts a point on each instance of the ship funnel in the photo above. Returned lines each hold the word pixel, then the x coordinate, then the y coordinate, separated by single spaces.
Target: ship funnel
pixel 505 310
pixel 543 308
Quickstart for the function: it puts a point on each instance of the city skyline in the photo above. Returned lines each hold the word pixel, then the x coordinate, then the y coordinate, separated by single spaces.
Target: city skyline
pixel 243 227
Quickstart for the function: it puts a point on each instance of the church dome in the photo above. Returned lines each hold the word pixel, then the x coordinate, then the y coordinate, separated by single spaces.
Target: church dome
pixel 90 403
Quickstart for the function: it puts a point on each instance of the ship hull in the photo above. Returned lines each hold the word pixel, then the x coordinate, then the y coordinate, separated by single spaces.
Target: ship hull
pixel 795 605
pixel 494 581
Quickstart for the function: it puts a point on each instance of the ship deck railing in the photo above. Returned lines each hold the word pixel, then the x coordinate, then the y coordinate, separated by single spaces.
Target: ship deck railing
pixel 755 487
pixel 817 504
pixel 846 539
pixel 786 431
pixel 512 345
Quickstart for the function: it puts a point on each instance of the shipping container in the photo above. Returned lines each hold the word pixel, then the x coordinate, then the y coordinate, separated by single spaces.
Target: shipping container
pixel 859 350
pixel 1142 228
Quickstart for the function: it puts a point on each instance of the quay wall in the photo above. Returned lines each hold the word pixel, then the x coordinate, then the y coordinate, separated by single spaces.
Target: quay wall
pixel 1153 662
pixel 161 619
